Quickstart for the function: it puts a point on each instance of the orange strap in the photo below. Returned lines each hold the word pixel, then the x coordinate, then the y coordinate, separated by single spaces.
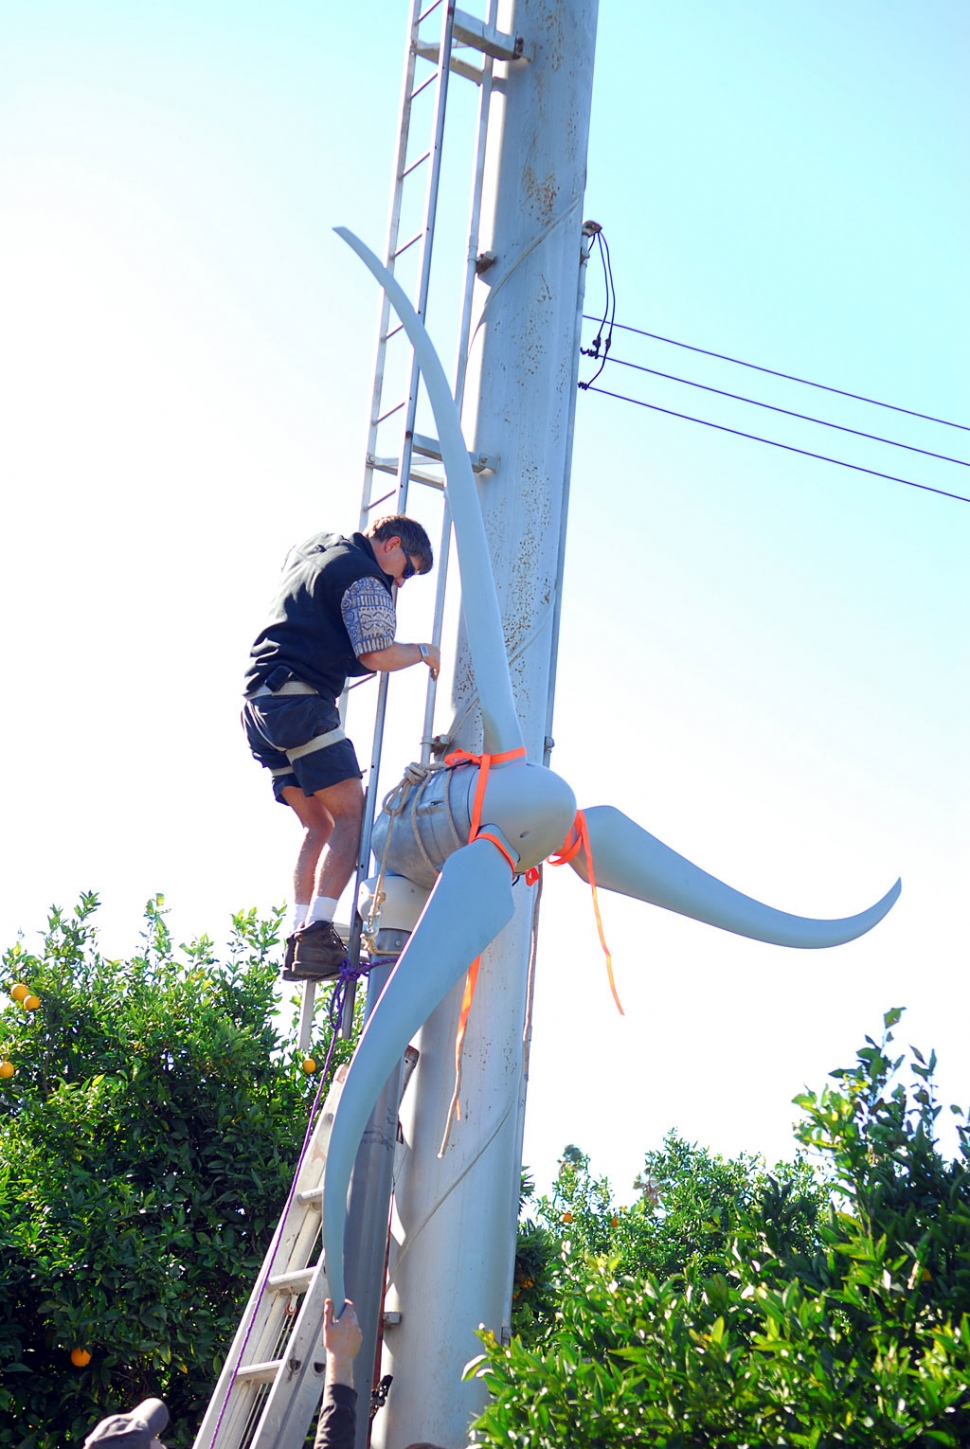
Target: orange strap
pixel 484 763
pixel 563 856
pixel 487 835
pixel 565 853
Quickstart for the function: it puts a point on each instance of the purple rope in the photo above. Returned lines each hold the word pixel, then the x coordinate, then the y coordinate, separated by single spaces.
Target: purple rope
pixel 346 975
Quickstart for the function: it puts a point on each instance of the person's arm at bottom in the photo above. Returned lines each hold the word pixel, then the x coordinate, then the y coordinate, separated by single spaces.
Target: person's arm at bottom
pixel 337 1424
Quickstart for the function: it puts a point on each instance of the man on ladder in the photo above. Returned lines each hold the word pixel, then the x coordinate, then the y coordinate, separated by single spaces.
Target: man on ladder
pixel 333 617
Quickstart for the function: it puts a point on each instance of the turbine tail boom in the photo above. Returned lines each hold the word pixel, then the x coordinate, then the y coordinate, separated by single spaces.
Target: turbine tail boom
pixel 470 903
pixel 630 861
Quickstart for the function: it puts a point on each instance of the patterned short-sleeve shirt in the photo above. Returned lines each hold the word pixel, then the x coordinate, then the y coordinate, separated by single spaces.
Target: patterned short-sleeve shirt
pixel 368 614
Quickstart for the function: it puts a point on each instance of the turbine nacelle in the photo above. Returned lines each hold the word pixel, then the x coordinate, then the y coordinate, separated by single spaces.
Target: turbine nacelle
pixel 532 807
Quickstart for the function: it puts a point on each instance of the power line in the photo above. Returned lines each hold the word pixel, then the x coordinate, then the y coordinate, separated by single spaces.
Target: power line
pixel 773 443
pixel 788 376
pixel 805 417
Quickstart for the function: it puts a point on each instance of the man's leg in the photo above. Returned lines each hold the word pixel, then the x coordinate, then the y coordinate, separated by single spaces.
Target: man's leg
pixel 331 818
pixel 344 803
pixel 317 825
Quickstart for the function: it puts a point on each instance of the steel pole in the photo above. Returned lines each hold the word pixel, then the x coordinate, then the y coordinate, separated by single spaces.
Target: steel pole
pixel 453 1235
pixel 370 1197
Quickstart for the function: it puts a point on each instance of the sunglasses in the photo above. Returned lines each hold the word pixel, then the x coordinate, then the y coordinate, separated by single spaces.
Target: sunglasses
pixel 409 569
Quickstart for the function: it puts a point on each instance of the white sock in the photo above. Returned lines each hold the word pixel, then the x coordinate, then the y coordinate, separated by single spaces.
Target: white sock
pixel 322 908
pixel 298 916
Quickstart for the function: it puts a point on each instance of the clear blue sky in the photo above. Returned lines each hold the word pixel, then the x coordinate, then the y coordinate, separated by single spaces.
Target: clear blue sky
pixel 764 658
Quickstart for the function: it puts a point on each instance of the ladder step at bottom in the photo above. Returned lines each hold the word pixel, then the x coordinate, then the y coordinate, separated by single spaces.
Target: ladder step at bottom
pixel 259 1373
pixel 295 1282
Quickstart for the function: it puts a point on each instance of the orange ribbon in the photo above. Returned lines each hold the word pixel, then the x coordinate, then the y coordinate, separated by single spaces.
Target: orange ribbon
pixel 484 763
pixel 563 856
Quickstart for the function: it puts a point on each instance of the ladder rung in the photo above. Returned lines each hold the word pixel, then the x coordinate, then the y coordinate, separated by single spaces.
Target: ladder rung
pixel 470 30
pixel 401 250
pixel 378 501
pixel 424 84
pixel 415 164
pixel 296 1282
pixel 259 1373
pixel 430 11
pixel 393 332
pixel 390 413
pixel 313 1197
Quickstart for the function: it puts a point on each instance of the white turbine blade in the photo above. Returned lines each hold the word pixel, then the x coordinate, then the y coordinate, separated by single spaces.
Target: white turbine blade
pixel 478 600
pixel 470 903
pixel 634 863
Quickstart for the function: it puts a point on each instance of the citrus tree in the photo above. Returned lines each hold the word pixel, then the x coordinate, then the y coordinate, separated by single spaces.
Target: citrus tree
pixel 846 1326
pixel 152 1113
pixel 692 1205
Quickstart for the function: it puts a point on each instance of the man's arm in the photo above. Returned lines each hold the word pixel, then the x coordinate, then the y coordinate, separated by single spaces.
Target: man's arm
pixel 402 656
pixel 370 620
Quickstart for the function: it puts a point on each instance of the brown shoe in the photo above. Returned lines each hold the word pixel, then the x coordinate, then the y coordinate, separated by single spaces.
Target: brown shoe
pixel 314 953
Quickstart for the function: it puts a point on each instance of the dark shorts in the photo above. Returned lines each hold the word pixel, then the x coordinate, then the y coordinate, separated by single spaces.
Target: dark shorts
pixel 274 726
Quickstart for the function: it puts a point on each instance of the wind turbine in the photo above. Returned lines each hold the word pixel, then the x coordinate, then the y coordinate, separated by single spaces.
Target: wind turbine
pixel 523 812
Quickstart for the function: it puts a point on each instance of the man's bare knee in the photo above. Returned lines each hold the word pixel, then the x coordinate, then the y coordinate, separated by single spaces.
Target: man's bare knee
pixel 344 801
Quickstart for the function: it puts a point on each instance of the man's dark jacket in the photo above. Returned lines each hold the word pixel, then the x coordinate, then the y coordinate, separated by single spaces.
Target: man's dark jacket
pixel 305 637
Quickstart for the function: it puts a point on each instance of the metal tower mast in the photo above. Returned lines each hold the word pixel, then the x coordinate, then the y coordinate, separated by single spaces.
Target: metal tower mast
pixel 453 1239
pixel 452 1243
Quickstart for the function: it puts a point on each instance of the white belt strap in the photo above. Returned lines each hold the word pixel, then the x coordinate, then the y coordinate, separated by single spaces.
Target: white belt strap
pixel 319 742
pixel 292 686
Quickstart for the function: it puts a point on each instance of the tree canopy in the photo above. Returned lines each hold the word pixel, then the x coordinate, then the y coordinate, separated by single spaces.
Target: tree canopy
pixel 733 1306
pixel 151 1125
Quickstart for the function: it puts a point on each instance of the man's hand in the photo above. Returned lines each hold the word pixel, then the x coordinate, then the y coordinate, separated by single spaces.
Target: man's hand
pixel 431 655
pixel 341 1339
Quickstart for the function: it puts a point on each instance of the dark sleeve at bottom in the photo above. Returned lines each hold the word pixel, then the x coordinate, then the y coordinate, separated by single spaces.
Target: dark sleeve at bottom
pixel 337 1423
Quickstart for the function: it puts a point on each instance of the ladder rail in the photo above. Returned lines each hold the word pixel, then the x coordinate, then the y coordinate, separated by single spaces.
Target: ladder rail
pixel 393 231
pixel 427 247
pixel 402 172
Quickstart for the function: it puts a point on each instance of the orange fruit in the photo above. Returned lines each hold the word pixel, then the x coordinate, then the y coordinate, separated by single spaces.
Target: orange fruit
pixel 567 1217
pixel 7 1069
pixel 80 1357
pixel 309 1065
pixel 20 991
pixel 31 1003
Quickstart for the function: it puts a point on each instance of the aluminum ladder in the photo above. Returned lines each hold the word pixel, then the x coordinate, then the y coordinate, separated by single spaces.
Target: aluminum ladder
pixel 442 41
pixel 270 1386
